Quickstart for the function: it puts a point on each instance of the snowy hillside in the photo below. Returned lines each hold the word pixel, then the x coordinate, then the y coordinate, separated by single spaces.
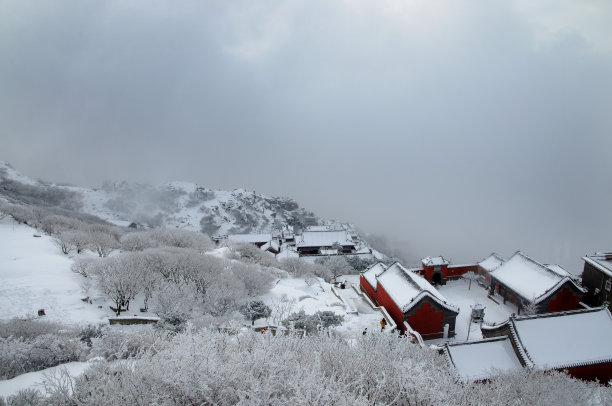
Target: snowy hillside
pixel 36 275
pixel 177 204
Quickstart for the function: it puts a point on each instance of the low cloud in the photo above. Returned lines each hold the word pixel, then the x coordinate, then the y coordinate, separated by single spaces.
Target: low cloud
pixel 454 128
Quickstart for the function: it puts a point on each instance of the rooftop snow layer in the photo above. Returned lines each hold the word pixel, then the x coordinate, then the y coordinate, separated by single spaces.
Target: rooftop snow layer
pixel 559 270
pixel 565 340
pixel 600 262
pixel 528 278
pixel 324 239
pixel 372 272
pixel 491 263
pixel 434 261
pixel 477 360
pixel 251 238
pixel 406 288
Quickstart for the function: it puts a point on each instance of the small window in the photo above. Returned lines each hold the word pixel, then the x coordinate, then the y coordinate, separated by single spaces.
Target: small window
pixel 608 285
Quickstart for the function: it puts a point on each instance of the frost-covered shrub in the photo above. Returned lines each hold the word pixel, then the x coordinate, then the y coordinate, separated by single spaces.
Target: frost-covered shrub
pixel 89 332
pixel 313 322
pixel 337 265
pixel 55 224
pixel 254 310
pixel 256 280
pixel 18 356
pixel 138 241
pixel 182 239
pixel 21 214
pixel 252 254
pixel 206 367
pixel 27 328
pixel 26 397
pixel 359 264
pixel 175 305
pixel 118 343
pixel 298 267
pixel 141 240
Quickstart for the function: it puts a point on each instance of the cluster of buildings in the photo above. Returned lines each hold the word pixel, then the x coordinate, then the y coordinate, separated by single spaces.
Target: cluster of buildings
pixel 565 324
pixel 311 242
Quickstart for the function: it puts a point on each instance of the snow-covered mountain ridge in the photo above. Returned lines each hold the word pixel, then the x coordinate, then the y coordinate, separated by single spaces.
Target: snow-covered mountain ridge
pixel 176 204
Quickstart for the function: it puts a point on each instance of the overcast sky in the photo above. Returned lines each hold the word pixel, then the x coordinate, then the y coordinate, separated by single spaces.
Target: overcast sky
pixel 451 127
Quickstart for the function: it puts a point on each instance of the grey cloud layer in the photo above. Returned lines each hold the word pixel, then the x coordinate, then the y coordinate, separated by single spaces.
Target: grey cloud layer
pixel 454 128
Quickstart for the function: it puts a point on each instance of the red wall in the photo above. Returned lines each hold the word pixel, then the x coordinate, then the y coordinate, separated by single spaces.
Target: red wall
pixel 427 320
pixel 455 271
pixel 365 286
pixel 564 299
pixel 428 272
pixel 482 271
pixel 601 372
pixel 383 299
pixel 448 272
pixel 424 318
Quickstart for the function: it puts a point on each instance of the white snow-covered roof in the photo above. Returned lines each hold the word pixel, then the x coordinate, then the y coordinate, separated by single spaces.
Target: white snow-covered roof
pixel 478 360
pixel 319 228
pixel 491 262
pixel 251 238
pixel 286 253
pixel 434 261
pixel 406 288
pixel 559 270
pixel 600 262
pixel 530 279
pixel 565 340
pixel 274 245
pixel 324 239
pixel 372 272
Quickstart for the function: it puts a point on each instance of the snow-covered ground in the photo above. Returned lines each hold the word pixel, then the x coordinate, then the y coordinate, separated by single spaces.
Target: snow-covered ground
pixel 313 295
pixel 36 275
pixel 34 380
pixel 458 294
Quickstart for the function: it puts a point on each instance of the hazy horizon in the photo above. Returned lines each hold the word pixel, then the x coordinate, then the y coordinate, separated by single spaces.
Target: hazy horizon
pixel 452 128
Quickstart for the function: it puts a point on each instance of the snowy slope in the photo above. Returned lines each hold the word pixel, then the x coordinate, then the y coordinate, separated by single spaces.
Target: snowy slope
pixel 189 206
pixel 36 275
pixel 176 204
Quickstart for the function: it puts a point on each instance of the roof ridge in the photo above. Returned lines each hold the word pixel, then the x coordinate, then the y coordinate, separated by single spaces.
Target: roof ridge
pixel 559 314
pixel 523 353
pixel 372 266
pixel 483 340
pixel 540 265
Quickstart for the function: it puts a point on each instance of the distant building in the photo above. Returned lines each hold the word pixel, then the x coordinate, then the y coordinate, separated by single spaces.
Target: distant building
pixel 437 270
pixel 597 279
pixel 255 239
pixel 524 282
pixel 324 242
pixel 488 265
pixel 410 299
pixel 575 341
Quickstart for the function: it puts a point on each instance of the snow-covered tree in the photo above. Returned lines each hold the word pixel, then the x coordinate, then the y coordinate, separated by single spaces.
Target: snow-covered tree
pixel 174 304
pixel 282 308
pixel 254 310
pixel 102 242
pixel 470 276
pixel 337 264
pixel 530 308
pixel 79 239
pixel 63 243
pixel 118 281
